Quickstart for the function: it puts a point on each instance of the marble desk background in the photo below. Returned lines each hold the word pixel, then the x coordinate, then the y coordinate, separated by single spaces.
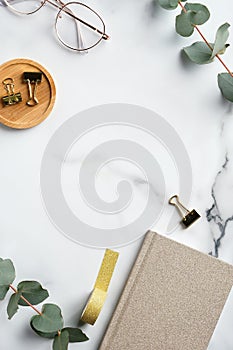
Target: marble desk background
pixel 141 65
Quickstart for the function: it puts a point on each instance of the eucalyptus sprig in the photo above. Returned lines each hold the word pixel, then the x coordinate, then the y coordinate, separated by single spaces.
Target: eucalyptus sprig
pixel 48 322
pixel 202 52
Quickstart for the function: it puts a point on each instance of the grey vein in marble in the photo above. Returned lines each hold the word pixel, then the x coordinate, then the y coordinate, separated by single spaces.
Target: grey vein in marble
pixel 214 214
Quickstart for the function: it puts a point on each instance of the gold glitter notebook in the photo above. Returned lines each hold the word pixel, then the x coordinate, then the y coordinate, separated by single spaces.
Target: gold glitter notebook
pixel 172 299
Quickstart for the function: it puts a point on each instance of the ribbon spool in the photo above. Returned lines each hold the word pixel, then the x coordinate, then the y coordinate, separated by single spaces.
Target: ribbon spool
pixel 99 294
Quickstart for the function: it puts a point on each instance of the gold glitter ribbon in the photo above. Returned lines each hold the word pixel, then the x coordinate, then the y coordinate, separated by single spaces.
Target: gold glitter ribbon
pixel 99 294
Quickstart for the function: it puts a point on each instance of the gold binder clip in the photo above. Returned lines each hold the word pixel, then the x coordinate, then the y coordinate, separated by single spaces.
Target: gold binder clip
pixel 12 98
pixel 189 217
pixel 32 78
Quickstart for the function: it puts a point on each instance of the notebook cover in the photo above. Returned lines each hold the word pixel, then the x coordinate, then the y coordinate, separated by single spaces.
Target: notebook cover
pixel 172 299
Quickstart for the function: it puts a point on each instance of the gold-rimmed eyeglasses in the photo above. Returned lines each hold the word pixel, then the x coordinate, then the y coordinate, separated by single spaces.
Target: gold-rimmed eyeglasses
pixel 77 25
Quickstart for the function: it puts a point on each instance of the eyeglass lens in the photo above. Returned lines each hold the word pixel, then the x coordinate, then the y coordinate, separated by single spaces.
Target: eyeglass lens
pixel 24 6
pixel 76 34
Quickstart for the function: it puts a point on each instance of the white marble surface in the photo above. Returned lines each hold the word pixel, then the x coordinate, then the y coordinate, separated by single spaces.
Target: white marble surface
pixel 141 64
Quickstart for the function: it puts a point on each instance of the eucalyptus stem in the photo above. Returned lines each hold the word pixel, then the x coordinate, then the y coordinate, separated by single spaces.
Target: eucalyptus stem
pixel 26 301
pixel 49 322
pixel 207 43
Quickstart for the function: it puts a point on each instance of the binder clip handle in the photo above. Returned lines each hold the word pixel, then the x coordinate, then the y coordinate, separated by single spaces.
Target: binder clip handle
pixel 9 85
pixel 174 200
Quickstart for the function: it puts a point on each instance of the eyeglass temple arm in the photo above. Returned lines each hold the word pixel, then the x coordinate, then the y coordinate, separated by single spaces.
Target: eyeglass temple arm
pixel 77 25
pixel 104 35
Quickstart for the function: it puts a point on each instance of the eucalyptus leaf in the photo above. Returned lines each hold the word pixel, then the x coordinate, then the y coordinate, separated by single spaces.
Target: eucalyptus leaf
pixel 199 13
pixel 12 307
pixel 43 334
pixel 33 292
pixel 199 52
pixel 220 39
pixel 61 341
pixel 168 4
pixel 7 272
pixel 75 335
pixel 221 52
pixel 184 25
pixel 225 83
pixel 50 321
pixel 3 291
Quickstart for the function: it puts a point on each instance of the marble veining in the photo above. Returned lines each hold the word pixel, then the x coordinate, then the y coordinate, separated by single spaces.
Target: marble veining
pixel 214 214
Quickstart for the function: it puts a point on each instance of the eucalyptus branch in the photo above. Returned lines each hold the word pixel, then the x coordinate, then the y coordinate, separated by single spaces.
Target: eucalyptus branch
pixel 48 322
pixel 26 301
pixel 202 52
pixel 207 43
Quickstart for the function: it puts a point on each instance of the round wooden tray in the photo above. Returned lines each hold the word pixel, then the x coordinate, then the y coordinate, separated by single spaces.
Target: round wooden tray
pixel 20 115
